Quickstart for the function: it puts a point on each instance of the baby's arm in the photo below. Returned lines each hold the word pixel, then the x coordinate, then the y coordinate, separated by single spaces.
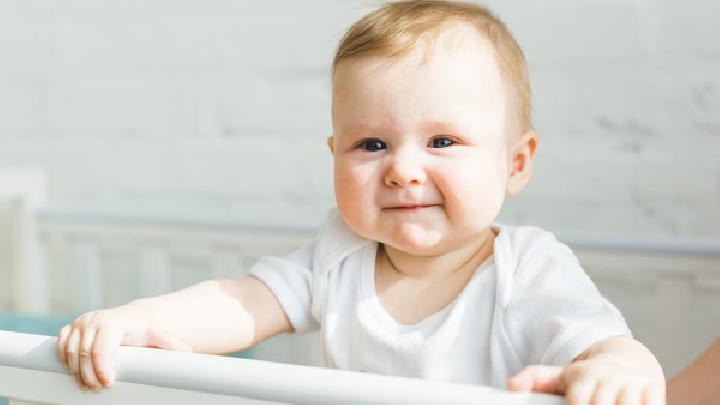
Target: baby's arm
pixel 217 316
pixel 616 370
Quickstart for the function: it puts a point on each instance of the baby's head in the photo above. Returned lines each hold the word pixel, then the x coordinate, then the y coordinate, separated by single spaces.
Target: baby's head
pixel 431 124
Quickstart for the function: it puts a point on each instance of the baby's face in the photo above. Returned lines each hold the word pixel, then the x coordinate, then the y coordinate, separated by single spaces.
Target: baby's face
pixel 420 149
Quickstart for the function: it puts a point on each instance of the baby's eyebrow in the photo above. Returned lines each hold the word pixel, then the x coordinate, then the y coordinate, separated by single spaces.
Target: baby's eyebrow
pixel 360 127
pixel 428 126
pixel 444 127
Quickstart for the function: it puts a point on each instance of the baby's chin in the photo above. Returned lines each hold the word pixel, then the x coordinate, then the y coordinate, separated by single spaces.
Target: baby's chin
pixel 414 239
pixel 420 239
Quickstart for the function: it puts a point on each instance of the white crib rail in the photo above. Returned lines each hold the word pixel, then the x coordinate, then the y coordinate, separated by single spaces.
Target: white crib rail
pixel 29 373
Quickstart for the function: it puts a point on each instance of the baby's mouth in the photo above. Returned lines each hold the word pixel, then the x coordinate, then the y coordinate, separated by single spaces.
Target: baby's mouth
pixel 410 207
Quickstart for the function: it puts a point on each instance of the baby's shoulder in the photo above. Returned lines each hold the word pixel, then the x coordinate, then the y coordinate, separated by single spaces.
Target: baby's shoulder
pixel 529 240
pixel 530 249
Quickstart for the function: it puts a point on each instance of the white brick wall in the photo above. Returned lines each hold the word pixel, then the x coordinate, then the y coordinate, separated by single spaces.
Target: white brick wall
pixel 220 108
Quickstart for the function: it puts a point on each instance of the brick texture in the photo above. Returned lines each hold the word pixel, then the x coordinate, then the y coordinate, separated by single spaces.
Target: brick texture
pixel 220 108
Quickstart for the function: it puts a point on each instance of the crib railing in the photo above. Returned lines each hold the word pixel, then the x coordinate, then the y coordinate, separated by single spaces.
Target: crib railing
pixel 30 374
pixel 109 260
pixel 63 263
pixel 668 292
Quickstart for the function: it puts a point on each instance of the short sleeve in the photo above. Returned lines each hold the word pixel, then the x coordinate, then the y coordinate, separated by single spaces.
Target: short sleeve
pixel 555 311
pixel 290 280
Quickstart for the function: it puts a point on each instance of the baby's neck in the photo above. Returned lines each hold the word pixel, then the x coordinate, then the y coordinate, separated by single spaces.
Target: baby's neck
pixel 447 264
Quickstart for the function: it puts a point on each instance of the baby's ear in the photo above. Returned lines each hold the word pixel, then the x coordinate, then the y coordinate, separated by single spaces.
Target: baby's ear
pixel 330 144
pixel 522 155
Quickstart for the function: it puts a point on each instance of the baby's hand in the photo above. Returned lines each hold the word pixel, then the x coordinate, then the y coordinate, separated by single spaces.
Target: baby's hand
pixel 601 380
pixel 87 347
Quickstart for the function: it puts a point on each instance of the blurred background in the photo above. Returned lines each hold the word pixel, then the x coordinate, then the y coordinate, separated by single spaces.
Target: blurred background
pixel 146 145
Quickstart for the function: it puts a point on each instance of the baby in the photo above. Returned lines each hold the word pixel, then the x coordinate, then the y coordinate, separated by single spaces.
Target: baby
pixel 410 276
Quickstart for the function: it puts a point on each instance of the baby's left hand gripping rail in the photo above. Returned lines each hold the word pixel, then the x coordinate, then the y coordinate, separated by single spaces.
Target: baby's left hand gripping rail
pixel 29 372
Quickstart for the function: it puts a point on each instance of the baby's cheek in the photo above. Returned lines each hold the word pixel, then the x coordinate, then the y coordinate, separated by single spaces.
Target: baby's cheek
pixel 475 203
pixel 355 207
pixel 346 186
pixel 349 205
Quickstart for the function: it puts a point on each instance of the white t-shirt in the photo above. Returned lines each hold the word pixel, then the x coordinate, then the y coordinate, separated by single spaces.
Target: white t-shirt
pixel 529 303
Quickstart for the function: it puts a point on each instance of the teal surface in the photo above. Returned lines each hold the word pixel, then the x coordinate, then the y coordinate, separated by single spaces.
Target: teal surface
pixel 50 326
pixel 35 324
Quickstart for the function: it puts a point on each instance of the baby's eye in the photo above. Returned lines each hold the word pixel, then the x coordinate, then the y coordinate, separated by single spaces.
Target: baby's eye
pixel 441 142
pixel 372 145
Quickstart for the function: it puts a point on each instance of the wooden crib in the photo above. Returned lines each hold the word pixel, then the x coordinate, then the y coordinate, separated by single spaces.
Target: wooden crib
pixel 63 263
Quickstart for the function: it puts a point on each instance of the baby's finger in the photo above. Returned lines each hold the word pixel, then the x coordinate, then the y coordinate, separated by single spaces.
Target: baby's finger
pixel 630 396
pixel 87 372
pixel 81 384
pixel 653 397
pixel 545 379
pixel 106 343
pixel 580 392
pixel 60 345
pixel 72 349
pixel 606 393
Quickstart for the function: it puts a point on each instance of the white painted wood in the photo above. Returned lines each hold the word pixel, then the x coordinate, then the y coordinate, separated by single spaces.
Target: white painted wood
pixel 23 190
pixel 666 291
pixel 21 402
pixel 55 248
pixel 154 272
pixel 225 263
pixel 657 287
pixel 86 275
pixel 157 376
pixel 673 323
pixel 21 385
pixel 707 283
pixel 29 276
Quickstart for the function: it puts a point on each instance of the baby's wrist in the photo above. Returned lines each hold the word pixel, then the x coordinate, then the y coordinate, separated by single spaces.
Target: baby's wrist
pixel 139 308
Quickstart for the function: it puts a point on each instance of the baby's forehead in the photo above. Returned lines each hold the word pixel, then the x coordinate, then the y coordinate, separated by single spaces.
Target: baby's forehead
pixel 462 42
pixel 451 80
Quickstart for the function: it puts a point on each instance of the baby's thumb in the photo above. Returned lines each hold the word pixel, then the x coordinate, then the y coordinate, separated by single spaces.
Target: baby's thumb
pixel 162 340
pixel 546 379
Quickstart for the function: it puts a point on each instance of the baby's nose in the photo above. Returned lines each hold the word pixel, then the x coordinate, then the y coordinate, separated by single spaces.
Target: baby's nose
pixel 405 169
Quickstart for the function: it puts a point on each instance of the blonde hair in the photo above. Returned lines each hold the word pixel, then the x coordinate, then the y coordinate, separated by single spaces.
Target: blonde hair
pixel 397 27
